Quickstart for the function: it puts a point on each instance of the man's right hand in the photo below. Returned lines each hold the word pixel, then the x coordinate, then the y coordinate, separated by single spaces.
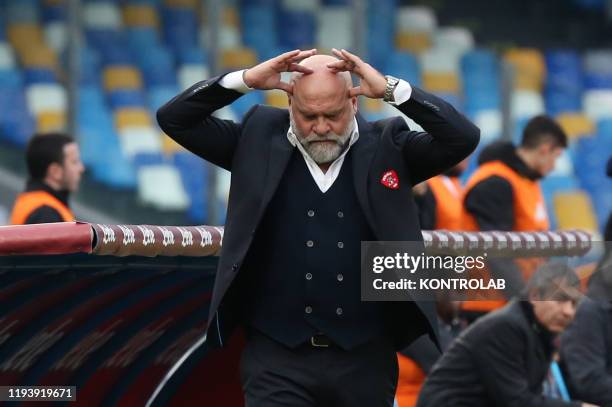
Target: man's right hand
pixel 267 75
pixel 588 405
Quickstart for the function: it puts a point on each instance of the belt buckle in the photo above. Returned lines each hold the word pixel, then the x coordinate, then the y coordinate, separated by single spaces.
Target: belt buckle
pixel 314 343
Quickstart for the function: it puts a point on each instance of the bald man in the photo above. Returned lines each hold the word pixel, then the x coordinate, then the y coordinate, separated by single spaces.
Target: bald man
pixel 309 183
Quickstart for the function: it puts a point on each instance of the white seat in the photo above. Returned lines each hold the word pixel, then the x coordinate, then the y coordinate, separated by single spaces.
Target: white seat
pixel 134 140
pixel 161 186
pixel 598 61
pixel 454 39
pixel 335 27
pixel 188 74
pixel 490 124
pixel 597 104
pixel 526 104
pixel 229 37
pixel 439 61
pixel 102 15
pixel 563 165
pixel 226 113
pixel 46 97
pixel 56 35
pixel 416 19
pixel 301 5
pixel 7 57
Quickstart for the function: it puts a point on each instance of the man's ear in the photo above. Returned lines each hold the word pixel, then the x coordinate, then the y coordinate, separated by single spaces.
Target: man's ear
pixel 55 171
pixel 354 104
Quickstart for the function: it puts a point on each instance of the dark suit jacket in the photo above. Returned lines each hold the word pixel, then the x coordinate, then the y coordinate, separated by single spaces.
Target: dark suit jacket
pixel 500 360
pixel 257 151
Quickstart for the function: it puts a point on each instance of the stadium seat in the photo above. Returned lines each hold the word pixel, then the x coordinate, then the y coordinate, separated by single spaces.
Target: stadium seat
pixel 334 27
pixel 404 65
pixel 121 77
pixel 169 146
pixel 598 104
pixel 39 56
pixel 50 121
pixel 416 19
pixel 56 35
pixel 416 42
pixel 439 61
pixel 238 58
pixel 526 104
pixel 456 40
pixel 7 57
pixel 132 117
pixel 140 15
pixel 102 15
pixel 171 197
pixel 10 78
pixel 441 82
pixel 46 97
pixel 139 139
pixel 576 124
pixel 530 68
pixel 23 36
pixel 490 124
pixel 276 98
pixel 126 98
pixel 574 210
pixel 191 73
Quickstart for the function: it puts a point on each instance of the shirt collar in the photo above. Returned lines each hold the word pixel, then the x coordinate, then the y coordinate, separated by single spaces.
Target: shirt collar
pixel 295 142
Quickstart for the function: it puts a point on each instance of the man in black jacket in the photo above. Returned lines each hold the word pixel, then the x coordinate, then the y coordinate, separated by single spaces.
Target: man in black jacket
pixel 308 185
pixel 586 346
pixel 502 359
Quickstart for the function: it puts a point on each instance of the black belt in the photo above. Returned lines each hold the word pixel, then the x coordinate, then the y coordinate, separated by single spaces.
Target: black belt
pixel 320 341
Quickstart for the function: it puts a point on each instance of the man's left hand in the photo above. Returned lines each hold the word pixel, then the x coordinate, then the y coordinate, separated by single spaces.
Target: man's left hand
pixel 372 83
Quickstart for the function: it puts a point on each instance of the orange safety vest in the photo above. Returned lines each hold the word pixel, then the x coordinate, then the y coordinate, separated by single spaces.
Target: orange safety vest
pixel 449 203
pixel 529 211
pixel 28 202
pixel 410 380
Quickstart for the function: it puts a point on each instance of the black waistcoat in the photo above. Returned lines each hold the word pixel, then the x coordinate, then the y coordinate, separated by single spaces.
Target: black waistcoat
pixel 302 271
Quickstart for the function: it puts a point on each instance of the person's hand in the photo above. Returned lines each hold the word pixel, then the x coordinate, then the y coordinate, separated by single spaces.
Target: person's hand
pixel 371 82
pixel 589 405
pixel 267 75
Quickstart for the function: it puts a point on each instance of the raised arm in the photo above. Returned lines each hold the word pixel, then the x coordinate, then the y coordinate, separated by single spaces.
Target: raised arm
pixel 188 119
pixel 448 138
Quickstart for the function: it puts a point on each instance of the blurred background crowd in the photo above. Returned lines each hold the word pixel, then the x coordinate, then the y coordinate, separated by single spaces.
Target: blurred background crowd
pixel 99 69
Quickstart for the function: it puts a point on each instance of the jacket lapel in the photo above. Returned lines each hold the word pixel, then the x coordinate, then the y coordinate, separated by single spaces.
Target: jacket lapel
pixel 362 154
pixel 280 153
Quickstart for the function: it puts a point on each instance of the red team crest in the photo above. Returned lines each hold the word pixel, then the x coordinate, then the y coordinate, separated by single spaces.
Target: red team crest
pixel 390 179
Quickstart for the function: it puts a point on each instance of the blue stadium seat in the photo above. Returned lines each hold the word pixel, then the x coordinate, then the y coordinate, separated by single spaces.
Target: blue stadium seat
pixel 144 159
pixel 10 79
pixel 23 11
pixel 38 75
pixel 180 27
pixel 245 102
pixel 404 65
pixel 157 96
pixel 126 98
pixel 191 55
pixel 297 28
pixel 157 65
pixel 142 37
pixel 53 12
pixel 597 81
pixel 194 174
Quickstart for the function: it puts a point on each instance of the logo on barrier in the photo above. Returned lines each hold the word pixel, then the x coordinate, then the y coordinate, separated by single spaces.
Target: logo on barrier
pixel 168 236
pixel 128 235
pixel 187 237
pixel 148 237
pixel 205 237
pixel 109 234
pixel 218 229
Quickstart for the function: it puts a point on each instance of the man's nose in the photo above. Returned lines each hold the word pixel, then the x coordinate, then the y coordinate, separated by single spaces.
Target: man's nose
pixel 569 309
pixel 321 127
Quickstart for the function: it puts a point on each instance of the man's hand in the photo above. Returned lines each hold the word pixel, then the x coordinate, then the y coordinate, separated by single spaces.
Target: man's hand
pixel 588 405
pixel 267 75
pixel 371 82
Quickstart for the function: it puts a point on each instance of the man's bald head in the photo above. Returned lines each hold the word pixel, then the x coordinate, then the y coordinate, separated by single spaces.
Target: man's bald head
pixel 321 78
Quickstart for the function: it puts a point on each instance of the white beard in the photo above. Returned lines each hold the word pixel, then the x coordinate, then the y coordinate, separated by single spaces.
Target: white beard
pixel 324 153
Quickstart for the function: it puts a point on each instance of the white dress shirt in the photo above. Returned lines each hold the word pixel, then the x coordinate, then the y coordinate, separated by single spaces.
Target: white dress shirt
pixel 324 180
